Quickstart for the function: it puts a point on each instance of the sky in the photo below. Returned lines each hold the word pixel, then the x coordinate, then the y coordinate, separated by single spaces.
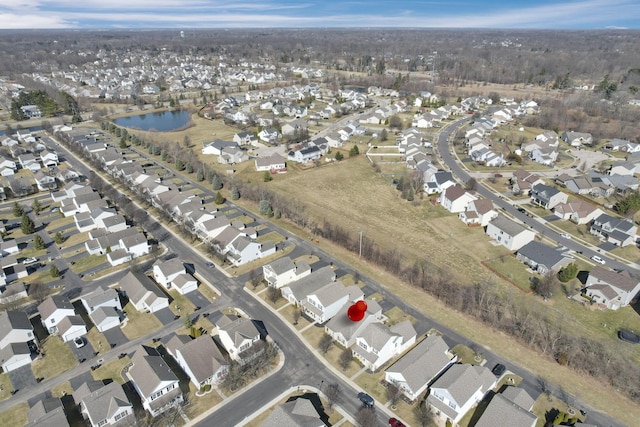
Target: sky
pixel 179 14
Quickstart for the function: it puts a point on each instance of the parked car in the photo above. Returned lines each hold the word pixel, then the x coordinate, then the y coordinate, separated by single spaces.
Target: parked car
pixel 394 422
pixel 522 210
pixel 29 261
pixel 597 259
pixel 628 336
pixel 565 236
pixel 55 209
pixel 79 342
pixel 498 370
pixel 210 265
pixel 366 399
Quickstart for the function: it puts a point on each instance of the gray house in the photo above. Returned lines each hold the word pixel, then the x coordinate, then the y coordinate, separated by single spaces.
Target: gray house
pixel 542 258
pixel 546 196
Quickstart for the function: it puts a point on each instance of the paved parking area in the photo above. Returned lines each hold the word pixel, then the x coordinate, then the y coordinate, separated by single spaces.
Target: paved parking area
pixel 22 378
pixel 83 353
pixel 165 316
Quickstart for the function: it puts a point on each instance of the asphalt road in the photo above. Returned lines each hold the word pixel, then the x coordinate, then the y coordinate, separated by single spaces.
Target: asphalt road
pixel 301 367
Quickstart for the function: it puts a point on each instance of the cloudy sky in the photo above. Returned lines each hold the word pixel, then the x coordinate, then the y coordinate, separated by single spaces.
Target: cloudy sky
pixel 545 14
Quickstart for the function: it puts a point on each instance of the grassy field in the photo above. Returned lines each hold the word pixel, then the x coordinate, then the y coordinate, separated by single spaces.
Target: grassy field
pixel 58 359
pixel 139 324
pixel 508 266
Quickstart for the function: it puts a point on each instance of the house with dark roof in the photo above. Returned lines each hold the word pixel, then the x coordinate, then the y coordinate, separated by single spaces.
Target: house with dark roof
pixel 378 343
pixel 414 371
pixel 542 258
pixel 619 231
pixel 508 233
pixel 610 288
pixel 104 405
pixel 305 154
pixel 200 358
pixel 154 381
pixel 458 389
pixel 546 196
pixel 511 407
pixel 455 199
pixel 48 412
pixel 17 340
pixel 237 335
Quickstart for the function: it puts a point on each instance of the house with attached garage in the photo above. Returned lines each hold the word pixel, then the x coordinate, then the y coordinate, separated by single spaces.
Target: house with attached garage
pixel 414 371
pixel 456 391
pixel 455 199
pixel 378 343
pixel 154 381
pixel 619 231
pixel 542 258
pixel 7 166
pixel 215 147
pixel 297 412
pixel 546 196
pixel 199 358
pixel 274 163
pixel 576 139
pixel 104 405
pixel 305 154
pixel 71 327
pixel 610 288
pixel 478 212
pixel 283 271
pixel 508 233
pixel 232 156
pixel 17 340
pixel 324 303
pixel 49 158
pixel 296 292
pixel 345 331
pixel 439 182
pixel 522 181
pixel 245 138
pixel 269 135
pixel 143 293
pixel 237 335
pixel 47 412
pixel 52 310
pixel 578 211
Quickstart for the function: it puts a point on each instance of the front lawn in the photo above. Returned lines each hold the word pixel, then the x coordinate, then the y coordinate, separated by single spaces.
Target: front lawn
pixel 58 359
pixel 15 416
pixel 511 269
pixel 139 324
pixel 112 370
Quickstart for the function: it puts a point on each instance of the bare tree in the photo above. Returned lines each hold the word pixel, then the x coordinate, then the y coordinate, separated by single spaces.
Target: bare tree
pixel 296 315
pixel 333 393
pixel 346 357
pixel 366 417
pixel 273 294
pixel 393 394
pixel 423 414
pixel 546 285
pixel 325 343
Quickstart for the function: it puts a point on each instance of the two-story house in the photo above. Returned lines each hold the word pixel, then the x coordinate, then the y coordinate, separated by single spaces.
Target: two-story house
pixel 508 233
pixel 17 340
pixel 53 310
pixel 324 303
pixel 283 271
pixel 377 343
pixel 619 231
pixel 610 288
pixel 237 335
pixel 104 405
pixel 200 358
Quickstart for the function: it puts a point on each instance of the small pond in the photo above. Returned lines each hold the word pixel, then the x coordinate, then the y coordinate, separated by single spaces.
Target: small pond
pixel 164 121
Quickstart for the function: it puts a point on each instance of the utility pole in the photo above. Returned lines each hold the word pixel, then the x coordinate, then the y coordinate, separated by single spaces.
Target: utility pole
pixel 360 253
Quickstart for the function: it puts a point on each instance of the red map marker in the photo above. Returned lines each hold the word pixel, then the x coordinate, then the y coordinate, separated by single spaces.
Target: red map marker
pixel 356 311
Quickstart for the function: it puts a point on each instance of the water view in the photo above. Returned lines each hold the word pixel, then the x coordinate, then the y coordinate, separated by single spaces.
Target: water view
pixel 164 121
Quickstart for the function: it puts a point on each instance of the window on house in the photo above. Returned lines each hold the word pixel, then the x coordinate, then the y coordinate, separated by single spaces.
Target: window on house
pixel 121 415
pixel 452 405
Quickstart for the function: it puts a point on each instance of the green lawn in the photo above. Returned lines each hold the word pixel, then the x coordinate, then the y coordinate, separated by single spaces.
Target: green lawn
pixel 112 370
pixel 510 268
pixel 467 355
pixel 200 404
pixel 88 262
pixel 15 416
pixel 58 359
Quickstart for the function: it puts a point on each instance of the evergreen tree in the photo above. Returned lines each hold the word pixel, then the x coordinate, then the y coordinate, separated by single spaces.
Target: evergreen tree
pixel 27 226
pixel 354 151
pixel 54 271
pixel 266 177
pixel 235 194
pixel 38 242
pixel 17 209
pixel 36 206
pixel 219 199
pixel 59 238
pixel 216 183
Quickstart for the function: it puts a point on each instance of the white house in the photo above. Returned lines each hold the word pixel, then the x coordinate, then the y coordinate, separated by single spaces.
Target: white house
pixel 105 318
pixel 345 331
pixel 142 293
pixel 610 288
pixel 283 271
pixel 414 371
pixel 104 405
pixel 71 327
pixel 272 163
pixel 508 233
pixel 324 303
pixel 458 390
pixel 478 212
pixel 455 199
pixel 53 310
pixel 237 335
pixel 155 382
pixel 377 343
pixel 165 271
pixel 200 359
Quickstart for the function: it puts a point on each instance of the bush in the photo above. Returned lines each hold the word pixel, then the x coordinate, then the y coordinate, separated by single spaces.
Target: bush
pixel 567 273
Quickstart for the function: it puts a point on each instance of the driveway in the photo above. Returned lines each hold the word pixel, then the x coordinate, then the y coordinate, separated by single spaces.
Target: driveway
pixel 22 378
pixel 197 298
pixel 165 316
pixel 115 336
pixel 83 353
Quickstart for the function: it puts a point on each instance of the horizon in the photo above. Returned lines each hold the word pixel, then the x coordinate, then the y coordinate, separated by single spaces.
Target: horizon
pixel 293 14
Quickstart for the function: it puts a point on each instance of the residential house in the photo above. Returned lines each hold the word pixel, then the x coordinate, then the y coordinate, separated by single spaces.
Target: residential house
pixel 274 163
pixel 155 382
pixel 71 327
pixel 17 340
pixel 283 271
pixel 619 231
pixel 296 412
pixel 478 212
pixel 232 156
pixel 142 293
pixel 546 196
pixel 215 147
pixel 296 292
pixel 7 166
pixel 455 199
pixel 377 343
pixel 324 303
pixel 245 138
pixel 135 244
pixel 542 258
pixel 269 135
pixel 439 182
pixel 237 335
pixel 295 127
pixel 49 158
pixel 165 271
pixel 578 211
pixel 52 310
pixel 610 288
pixel 576 139
pixel 461 387
pixel 104 405
pixel 622 167
pixel 305 154
pixel 344 330
pixel 30 162
pixel 200 359
pixel 414 371
pixel 522 181
pixel 508 233
pixel 47 412
pixel 511 407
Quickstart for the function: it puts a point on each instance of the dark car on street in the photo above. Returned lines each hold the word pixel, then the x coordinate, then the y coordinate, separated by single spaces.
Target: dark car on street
pixel 498 370
pixel 366 399
pixel 628 336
